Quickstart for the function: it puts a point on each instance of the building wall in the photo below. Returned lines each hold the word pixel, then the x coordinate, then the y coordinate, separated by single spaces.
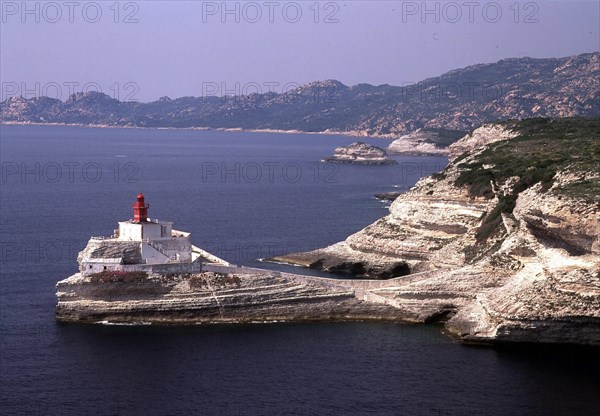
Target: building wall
pixel 130 231
pixel 157 247
pixel 166 228
pixel 138 231
pixel 152 256
pixel 148 230
pixel 181 247
pixel 92 268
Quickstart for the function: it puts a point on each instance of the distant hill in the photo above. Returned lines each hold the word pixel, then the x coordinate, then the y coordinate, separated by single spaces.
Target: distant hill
pixel 461 99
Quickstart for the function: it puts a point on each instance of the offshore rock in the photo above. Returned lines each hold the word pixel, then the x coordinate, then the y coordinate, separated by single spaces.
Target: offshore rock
pixel 360 153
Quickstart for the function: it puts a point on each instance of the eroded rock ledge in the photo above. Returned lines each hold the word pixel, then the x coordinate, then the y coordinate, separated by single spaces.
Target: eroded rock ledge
pixel 249 295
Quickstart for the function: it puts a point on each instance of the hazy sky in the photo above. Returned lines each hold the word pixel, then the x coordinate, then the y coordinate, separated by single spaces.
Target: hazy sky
pixel 146 49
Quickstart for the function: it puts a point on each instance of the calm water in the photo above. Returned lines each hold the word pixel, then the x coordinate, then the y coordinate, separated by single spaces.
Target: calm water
pixel 244 196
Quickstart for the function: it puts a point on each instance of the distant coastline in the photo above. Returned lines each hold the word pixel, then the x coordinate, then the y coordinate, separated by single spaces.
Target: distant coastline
pixel 231 129
pixel 458 100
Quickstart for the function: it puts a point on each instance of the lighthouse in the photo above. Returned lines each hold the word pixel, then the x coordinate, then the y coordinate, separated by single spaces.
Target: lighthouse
pixel 140 209
pixel 144 244
pixel 141 227
pixel 140 244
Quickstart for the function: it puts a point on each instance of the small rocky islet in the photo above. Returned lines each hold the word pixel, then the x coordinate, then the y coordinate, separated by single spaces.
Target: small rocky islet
pixel 360 153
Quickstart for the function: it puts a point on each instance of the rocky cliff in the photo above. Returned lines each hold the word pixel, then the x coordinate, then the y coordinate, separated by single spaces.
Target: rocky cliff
pixel 360 153
pixel 426 142
pixel 461 100
pixel 508 237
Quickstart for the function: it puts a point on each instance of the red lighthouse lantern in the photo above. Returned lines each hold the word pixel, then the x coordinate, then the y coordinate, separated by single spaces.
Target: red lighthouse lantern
pixel 140 209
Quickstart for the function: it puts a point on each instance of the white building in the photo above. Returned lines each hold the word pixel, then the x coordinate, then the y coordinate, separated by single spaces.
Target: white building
pixel 143 244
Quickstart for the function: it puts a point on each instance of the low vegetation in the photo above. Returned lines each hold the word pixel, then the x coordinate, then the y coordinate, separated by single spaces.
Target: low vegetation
pixel 544 148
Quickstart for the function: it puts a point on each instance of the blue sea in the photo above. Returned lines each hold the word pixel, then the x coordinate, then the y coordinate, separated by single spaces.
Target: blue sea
pixel 244 196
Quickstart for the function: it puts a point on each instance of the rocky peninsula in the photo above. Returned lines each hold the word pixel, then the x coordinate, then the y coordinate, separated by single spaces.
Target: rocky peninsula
pixel 146 272
pixel 361 154
pixel 503 245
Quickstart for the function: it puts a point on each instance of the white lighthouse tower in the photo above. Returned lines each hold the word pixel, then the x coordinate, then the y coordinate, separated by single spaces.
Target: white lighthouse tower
pixel 143 244
pixel 159 243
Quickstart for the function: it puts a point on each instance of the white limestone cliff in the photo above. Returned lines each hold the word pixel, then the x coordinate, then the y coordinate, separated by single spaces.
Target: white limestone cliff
pixel 535 279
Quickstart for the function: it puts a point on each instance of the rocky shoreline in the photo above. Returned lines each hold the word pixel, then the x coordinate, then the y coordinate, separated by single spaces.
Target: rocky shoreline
pixel 244 296
pixel 252 296
pixel 504 260
pixel 388 196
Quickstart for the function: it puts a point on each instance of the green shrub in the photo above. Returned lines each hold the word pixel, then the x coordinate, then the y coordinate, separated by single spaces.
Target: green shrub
pixel 544 147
